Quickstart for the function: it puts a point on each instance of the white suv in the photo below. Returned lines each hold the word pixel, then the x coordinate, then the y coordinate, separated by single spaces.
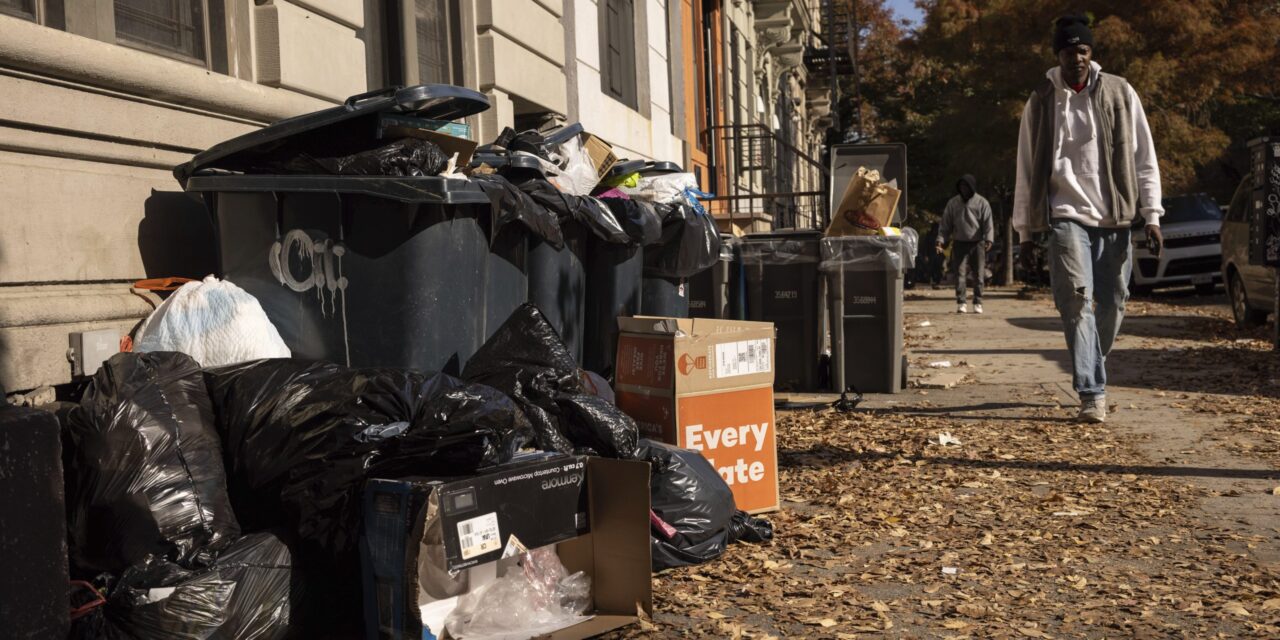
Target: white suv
pixel 1192 254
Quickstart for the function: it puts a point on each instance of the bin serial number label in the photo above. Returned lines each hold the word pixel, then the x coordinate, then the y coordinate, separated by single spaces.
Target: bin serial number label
pixel 743 358
pixel 478 536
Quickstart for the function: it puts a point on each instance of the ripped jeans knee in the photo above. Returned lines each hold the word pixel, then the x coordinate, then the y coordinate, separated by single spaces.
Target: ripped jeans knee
pixel 1074 304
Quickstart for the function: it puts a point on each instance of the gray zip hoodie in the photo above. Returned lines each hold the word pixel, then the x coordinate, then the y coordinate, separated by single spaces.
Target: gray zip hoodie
pixel 967 221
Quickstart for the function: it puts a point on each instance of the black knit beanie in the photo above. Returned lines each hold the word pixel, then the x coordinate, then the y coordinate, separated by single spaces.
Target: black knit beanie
pixel 1070 31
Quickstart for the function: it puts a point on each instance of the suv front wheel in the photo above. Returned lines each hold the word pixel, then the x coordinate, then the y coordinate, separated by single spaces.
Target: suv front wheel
pixel 1245 316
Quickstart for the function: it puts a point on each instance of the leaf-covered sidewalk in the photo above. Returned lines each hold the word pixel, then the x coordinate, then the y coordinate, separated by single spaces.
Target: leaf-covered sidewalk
pixel 1031 526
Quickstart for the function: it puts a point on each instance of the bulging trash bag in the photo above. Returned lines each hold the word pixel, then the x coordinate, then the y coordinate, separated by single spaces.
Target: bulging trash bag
pixel 143 467
pixel 696 506
pixel 665 188
pixel 638 219
pixel 244 595
pixel 585 210
pixel 213 321
pixel 526 360
pixel 690 243
pixel 409 157
pixel 302 437
pixel 510 205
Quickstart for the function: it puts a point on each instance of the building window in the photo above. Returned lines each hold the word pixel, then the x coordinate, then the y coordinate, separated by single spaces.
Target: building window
pixel 171 27
pixel 20 8
pixel 424 42
pixel 618 50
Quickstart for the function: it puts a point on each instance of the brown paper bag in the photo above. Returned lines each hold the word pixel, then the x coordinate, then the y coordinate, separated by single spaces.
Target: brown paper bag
pixel 867 205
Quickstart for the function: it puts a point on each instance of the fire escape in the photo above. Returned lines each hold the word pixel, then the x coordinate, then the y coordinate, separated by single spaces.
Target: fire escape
pixel 774 180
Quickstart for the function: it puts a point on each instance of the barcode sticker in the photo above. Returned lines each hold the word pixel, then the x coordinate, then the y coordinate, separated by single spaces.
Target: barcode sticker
pixel 743 358
pixel 478 536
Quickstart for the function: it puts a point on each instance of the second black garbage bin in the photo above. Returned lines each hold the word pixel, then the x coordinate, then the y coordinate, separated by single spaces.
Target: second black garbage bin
pixel 715 292
pixel 689 245
pixel 783 286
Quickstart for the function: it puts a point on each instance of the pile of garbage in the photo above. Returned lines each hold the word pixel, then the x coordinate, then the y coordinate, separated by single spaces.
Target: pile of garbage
pixel 214 482
pixel 224 501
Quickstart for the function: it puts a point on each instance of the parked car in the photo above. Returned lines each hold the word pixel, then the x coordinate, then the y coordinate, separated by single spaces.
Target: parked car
pixel 1192 254
pixel 1252 288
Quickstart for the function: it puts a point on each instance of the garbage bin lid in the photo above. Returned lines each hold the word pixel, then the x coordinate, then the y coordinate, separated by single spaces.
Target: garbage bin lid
pixel 501 159
pixel 783 234
pixel 656 167
pixel 625 168
pixel 434 101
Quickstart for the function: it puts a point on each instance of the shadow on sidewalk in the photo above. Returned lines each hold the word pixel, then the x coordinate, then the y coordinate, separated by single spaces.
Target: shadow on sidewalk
pixel 823 456
pixel 1142 326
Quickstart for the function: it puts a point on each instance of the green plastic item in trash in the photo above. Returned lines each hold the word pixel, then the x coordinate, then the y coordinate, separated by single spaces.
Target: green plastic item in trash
pixel 630 181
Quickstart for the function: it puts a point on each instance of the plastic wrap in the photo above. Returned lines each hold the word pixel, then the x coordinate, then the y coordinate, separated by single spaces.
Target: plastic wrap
pixel 910 247
pixel 527 360
pixel 402 157
pixel 213 321
pixel 143 467
pixel 301 438
pixel 777 251
pixel 697 507
pixel 538 596
pixel 864 253
pixel 639 219
pixel 511 205
pixel 245 595
pixel 578 175
pixel 690 243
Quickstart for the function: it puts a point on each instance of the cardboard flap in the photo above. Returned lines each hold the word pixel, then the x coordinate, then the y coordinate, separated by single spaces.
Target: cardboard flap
pixel 619 495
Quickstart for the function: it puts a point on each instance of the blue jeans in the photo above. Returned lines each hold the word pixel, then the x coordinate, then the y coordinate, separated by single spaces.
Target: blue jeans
pixel 1090 271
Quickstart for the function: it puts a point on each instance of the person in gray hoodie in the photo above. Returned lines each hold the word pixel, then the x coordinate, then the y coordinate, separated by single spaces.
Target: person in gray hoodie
pixel 966 222
pixel 1086 170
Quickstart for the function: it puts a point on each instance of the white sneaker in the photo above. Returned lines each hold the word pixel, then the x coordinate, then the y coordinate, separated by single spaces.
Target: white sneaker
pixel 977 308
pixel 1093 410
pixel 963 308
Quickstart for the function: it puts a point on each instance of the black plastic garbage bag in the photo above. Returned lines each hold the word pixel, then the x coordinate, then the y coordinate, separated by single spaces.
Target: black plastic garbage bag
pixel 143 467
pixel 690 243
pixel 638 218
pixel 245 594
pixel 585 210
pixel 412 157
pixel 301 438
pixel 511 205
pixel 526 360
pixel 689 496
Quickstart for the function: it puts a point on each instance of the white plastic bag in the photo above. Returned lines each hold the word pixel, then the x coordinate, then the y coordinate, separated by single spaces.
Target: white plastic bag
pixel 664 188
pixel 578 174
pixel 537 597
pixel 213 321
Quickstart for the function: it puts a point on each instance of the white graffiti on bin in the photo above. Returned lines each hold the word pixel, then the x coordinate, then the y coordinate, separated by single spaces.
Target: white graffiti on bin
pixel 320 264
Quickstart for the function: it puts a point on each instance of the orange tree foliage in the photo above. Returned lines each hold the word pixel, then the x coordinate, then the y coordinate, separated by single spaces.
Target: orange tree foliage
pixel 1208 73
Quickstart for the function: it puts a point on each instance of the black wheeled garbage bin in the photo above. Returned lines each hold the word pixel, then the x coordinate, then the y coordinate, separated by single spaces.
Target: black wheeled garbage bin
pixel 783 286
pixel 864 283
pixel 690 244
pixel 357 254
pixel 614 275
pixel 713 292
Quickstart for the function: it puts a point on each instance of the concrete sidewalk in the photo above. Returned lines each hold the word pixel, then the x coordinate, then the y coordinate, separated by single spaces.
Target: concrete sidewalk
pixel 1160 377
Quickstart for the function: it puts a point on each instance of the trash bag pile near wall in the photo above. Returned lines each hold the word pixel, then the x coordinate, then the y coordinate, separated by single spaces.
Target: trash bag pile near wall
pixel 585 210
pixel 526 360
pixel 143 467
pixel 690 243
pixel 689 496
pixel 510 205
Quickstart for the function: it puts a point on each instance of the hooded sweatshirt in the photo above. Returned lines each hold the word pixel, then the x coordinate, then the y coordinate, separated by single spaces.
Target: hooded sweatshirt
pixel 967 221
pixel 1077 189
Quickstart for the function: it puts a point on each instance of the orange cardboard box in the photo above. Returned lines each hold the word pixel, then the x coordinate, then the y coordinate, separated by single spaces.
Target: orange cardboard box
pixel 706 384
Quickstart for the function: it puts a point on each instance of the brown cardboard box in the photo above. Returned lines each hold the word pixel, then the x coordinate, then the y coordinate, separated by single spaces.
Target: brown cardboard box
pixel 612 546
pixel 706 384
pixel 602 155
pixel 867 206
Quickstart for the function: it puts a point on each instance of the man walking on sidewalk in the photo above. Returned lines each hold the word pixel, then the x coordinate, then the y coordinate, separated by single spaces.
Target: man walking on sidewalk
pixel 1086 169
pixel 966 222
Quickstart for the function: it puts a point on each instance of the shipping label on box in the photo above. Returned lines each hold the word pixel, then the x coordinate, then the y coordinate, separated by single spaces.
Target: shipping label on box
pixel 706 385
